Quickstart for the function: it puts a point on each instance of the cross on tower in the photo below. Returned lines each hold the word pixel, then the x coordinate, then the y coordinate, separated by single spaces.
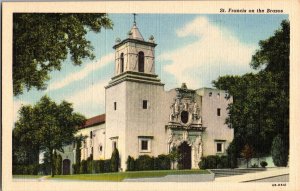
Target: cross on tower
pixel 134 14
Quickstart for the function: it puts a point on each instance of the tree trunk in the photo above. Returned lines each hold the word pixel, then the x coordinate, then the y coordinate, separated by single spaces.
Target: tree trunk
pixel 52 164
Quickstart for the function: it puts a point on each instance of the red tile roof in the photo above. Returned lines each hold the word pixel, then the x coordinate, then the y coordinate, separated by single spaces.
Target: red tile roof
pixel 97 120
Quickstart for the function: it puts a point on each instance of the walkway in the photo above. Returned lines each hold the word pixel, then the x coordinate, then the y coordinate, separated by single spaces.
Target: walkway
pixel 176 178
pixel 269 173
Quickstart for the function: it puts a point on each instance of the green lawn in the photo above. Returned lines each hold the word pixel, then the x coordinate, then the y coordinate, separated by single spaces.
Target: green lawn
pixel 119 176
pixel 27 176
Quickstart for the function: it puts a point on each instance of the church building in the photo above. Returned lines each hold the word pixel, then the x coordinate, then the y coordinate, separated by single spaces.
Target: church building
pixel 142 118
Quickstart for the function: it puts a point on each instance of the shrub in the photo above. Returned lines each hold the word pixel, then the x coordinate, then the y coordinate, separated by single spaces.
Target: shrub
pixel 96 166
pixel 209 162
pixel 223 162
pixel 162 162
pixel 83 167
pixel 263 164
pixel 130 164
pixel 101 166
pixel 107 166
pixel 279 151
pixel 144 162
pixel 115 161
pixel 90 167
pixel 76 168
pixel 254 166
pixel 32 169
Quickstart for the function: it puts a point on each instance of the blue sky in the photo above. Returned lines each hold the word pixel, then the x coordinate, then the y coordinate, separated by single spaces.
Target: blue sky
pixel 195 49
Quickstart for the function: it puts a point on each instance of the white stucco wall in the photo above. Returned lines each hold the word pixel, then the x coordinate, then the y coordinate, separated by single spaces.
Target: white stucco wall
pixel 98 138
pixel 216 129
pixel 145 122
pixel 115 119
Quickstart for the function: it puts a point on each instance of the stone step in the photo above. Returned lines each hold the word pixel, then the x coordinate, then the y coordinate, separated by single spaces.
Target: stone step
pixel 233 172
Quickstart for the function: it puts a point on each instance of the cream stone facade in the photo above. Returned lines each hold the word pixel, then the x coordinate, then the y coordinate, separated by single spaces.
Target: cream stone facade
pixel 141 118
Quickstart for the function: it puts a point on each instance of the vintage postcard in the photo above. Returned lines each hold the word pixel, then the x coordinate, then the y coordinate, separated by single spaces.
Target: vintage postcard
pixel 131 95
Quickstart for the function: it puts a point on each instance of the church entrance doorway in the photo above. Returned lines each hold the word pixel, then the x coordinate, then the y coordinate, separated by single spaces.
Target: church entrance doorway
pixel 185 156
pixel 66 166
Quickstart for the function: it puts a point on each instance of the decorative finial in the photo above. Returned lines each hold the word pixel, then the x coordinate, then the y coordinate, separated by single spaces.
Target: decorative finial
pixel 134 14
pixel 183 86
pixel 151 38
pixel 118 40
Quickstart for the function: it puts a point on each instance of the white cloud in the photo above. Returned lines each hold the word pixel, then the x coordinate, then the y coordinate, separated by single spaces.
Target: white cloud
pixel 91 100
pixel 84 72
pixel 215 52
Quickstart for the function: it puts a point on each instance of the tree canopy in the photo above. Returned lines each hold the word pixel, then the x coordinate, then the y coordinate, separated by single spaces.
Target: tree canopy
pixel 47 126
pixel 41 41
pixel 260 110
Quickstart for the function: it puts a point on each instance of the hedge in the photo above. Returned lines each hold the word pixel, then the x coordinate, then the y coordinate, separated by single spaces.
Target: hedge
pixel 162 162
pixel 130 163
pixel 83 167
pixel 92 166
pixel 145 162
pixel 213 162
pixel 32 169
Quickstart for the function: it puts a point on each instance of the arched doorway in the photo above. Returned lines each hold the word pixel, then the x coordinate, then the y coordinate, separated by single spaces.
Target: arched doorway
pixel 66 166
pixel 184 161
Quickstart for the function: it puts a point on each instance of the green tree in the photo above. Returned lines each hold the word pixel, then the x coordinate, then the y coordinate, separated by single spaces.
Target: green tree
pixel 41 41
pixel 58 165
pixel 232 155
pixel 260 109
pixel 115 160
pixel 279 152
pixel 50 125
pixel 247 153
pixel 174 156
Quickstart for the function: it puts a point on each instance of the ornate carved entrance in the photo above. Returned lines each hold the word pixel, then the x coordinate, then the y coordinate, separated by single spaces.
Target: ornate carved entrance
pixel 185 127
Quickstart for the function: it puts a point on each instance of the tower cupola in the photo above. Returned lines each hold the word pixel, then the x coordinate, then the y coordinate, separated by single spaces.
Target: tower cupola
pixel 134 53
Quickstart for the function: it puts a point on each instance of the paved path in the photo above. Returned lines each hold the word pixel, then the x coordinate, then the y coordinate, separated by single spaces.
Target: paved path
pixel 283 178
pixel 175 178
pixel 270 173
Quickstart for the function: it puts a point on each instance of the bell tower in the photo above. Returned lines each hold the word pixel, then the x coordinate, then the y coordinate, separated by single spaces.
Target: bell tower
pixel 134 53
pixel 133 98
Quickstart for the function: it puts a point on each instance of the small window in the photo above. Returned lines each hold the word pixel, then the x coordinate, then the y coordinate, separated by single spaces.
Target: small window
pixel 219 111
pixel 122 63
pixel 184 117
pixel 219 147
pixel 210 94
pixel 100 148
pixel 144 145
pixel 115 105
pixel 145 104
pixel 91 134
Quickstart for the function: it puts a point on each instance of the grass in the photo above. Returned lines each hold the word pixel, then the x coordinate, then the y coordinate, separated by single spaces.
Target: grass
pixel 119 176
pixel 27 176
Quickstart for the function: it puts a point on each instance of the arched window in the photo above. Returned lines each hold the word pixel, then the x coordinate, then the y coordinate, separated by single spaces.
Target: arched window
pixel 141 61
pixel 122 63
